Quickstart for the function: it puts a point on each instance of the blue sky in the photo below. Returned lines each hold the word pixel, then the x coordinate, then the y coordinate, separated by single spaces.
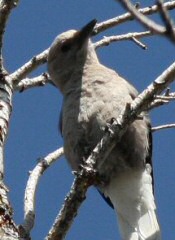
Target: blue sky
pixel 33 127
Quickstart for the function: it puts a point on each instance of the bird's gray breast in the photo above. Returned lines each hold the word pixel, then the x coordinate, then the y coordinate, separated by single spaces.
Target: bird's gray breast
pixel 82 125
pixel 85 113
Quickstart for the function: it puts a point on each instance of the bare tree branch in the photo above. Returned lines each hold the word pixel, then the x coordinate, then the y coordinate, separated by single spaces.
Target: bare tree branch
pixel 72 202
pixel 129 36
pixel 5 112
pixel 167 20
pixel 29 67
pixel 5 9
pixel 8 229
pixel 160 100
pixel 146 22
pixel 162 127
pixel 29 199
pixel 166 98
pixel 157 103
pixel 128 17
pixel 27 83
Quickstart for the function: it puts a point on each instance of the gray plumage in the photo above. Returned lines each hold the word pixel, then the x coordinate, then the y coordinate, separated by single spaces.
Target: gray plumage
pixel 92 95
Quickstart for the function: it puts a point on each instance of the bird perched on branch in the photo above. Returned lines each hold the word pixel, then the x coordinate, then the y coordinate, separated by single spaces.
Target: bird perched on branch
pixel 92 95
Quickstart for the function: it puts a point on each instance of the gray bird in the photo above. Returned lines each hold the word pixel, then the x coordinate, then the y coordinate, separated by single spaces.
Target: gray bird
pixel 92 95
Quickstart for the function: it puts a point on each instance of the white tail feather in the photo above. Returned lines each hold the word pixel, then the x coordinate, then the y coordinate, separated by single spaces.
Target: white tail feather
pixel 132 196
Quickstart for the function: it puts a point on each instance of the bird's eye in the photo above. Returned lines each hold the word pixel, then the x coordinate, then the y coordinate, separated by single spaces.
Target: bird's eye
pixel 65 47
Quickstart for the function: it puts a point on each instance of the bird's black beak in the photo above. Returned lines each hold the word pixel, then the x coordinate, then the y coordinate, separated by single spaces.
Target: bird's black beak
pixel 85 33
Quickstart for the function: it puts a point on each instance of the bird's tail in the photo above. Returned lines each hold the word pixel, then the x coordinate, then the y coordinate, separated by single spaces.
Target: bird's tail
pixel 132 196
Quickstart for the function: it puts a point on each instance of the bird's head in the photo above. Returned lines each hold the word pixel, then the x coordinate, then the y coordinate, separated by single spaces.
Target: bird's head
pixel 68 52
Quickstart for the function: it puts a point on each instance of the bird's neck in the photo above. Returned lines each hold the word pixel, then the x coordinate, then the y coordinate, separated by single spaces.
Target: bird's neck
pixel 74 76
pixel 91 57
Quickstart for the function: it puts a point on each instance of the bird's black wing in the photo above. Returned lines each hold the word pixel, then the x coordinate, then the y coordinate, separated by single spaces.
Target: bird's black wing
pixel 149 155
pixel 60 123
pixel 107 199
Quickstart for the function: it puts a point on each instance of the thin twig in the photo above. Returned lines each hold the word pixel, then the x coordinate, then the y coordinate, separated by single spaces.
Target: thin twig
pixel 162 127
pixel 168 93
pixel 129 36
pixel 167 98
pixel 29 199
pixel 160 100
pixel 139 43
pixel 157 103
pixel 157 86
pixel 27 83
